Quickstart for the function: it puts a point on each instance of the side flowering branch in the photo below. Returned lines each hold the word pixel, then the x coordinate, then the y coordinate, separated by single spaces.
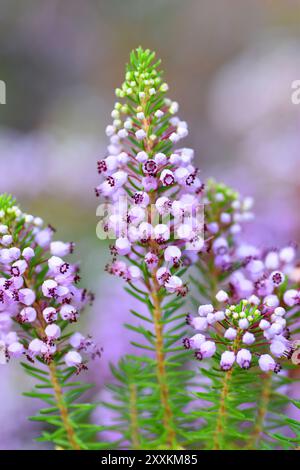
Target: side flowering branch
pixel 39 299
pixel 248 323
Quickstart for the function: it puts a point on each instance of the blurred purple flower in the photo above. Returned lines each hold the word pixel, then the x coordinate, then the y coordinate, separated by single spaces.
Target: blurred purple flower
pixel 18 432
pixel 250 106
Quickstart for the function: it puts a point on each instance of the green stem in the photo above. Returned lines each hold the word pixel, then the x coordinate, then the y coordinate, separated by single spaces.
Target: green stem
pixel 133 412
pixel 161 368
pixel 222 413
pixel 58 392
pixel 161 372
pixel 62 407
pixel 220 430
pixel 261 411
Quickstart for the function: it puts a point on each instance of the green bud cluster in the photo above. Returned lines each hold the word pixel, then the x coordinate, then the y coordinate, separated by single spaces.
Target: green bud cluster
pixel 6 202
pixel 220 195
pixel 142 79
pixel 243 310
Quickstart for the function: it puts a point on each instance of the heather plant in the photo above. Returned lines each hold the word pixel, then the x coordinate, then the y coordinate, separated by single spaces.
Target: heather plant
pixel 213 373
pixel 248 315
pixel 153 195
pixel 39 299
pixel 248 298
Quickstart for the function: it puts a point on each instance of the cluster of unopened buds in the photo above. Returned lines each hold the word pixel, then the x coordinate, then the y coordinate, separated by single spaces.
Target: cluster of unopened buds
pixel 225 211
pixel 38 292
pixel 251 267
pixel 152 191
pixel 251 332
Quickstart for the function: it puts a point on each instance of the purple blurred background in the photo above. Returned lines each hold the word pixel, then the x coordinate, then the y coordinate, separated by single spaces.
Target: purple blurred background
pixel 229 64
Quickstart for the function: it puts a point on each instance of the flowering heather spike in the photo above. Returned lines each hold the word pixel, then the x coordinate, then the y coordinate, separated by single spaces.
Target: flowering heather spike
pixel 154 191
pixel 255 301
pixel 37 290
pixel 261 328
pixel 143 164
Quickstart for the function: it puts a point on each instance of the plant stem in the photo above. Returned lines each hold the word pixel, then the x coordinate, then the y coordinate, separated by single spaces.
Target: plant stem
pixel 133 412
pixel 58 393
pixel 161 369
pixel 157 317
pixel 261 411
pixel 62 407
pixel 222 414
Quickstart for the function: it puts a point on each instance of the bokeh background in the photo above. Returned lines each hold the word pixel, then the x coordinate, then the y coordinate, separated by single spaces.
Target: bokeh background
pixel 229 64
